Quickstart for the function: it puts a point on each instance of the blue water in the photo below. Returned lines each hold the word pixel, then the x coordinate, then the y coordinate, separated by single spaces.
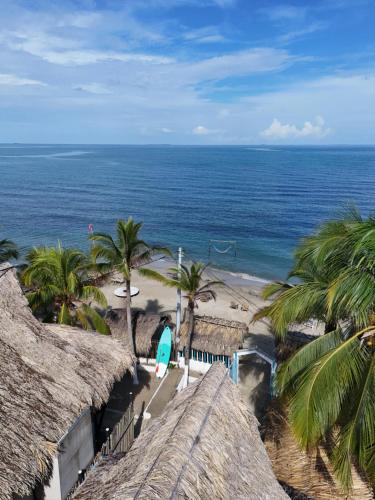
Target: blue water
pixel 264 198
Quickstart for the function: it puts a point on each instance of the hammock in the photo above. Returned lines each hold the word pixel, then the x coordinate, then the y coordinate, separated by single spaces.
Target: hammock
pixel 230 245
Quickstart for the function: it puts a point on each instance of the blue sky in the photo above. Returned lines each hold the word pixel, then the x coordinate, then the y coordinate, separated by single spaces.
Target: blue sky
pixel 187 71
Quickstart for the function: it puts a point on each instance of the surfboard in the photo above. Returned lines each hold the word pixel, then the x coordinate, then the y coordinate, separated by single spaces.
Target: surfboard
pixel 164 352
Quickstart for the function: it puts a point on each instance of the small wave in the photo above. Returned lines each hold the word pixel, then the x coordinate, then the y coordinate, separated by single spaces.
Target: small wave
pixel 50 155
pixel 262 149
pixel 25 146
pixel 248 277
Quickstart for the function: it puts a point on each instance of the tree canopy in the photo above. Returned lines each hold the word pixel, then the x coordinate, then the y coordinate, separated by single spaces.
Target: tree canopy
pixel 329 385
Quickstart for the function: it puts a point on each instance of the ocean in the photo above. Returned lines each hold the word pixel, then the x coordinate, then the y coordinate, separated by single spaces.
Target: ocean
pixel 262 199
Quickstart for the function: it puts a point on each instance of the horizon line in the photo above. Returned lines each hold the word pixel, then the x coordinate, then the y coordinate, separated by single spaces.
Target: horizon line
pixel 16 143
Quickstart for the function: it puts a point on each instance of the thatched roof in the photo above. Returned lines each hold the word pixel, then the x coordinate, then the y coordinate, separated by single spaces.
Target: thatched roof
pixel 205 444
pixel 293 341
pixel 310 474
pixel 48 375
pixel 215 335
pixel 146 327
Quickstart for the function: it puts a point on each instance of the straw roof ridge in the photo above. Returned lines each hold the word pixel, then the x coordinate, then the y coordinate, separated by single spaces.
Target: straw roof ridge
pixel 48 375
pixel 215 335
pixel 205 445
pixel 146 327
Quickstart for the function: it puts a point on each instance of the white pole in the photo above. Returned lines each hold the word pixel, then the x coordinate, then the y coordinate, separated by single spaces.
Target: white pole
pixel 178 308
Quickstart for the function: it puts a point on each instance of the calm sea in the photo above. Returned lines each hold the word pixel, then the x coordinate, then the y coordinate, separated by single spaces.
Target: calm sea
pixel 264 199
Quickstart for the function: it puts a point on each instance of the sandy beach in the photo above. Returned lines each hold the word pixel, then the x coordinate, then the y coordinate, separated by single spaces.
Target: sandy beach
pixel 240 289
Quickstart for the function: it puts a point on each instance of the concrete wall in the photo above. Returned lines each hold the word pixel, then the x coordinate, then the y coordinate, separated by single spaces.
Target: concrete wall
pixel 194 365
pixel 77 450
pixel 199 366
pixel 53 490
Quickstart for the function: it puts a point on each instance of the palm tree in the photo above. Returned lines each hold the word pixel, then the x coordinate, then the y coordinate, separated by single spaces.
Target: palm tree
pixel 8 250
pixel 125 254
pixel 325 269
pixel 329 385
pixel 59 285
pixel 189 280
pixel 299 302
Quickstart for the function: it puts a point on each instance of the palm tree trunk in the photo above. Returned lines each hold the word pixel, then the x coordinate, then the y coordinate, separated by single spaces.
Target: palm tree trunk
pixel 188 343
pixel 130 329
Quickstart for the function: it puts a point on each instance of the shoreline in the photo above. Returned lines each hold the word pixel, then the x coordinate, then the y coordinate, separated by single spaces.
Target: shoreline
pixel 236 300
pixel 231 278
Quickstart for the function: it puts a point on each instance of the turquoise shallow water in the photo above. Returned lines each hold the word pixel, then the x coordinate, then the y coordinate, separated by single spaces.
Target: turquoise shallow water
pixel 264 198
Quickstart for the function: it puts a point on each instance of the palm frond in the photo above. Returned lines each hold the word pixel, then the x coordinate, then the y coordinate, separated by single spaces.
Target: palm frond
pixel 320 392
pixel 274 288
pixel 64 317
pixel 209 285
pixel 358 433
pixel 90 291
pixel 162 250
pixel 296 305
pixel 42 297
pixel 152 274
pixel 106 241
pixel 288 373
pixel 91 320
pixel 8 250
pixel 103 254
pixel 72 282
pixel 353 293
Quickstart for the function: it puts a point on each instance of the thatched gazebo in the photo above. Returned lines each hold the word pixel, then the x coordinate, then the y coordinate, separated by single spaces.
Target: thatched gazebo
pixel 147 328
pixel 205 444
pixel 50 376
pixel 214 339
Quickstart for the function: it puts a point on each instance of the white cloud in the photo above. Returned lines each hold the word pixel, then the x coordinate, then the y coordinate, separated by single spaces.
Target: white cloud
pixel 225 3
pixel 80 20
pixel 178 96
pixel 284 12
pixel 307 30
pixel 84 57
pixel 278 130
pixel 239 63
pixel 16 81
pixel 210 39
pixel 223 113
pixel 68 52
pixel 94 88
pixel 201 130
pixel 208 34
